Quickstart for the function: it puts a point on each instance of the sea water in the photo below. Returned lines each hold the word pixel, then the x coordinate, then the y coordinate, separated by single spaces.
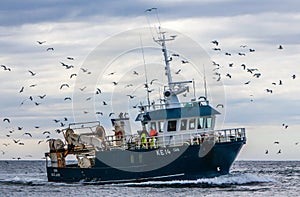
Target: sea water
pixel 246 178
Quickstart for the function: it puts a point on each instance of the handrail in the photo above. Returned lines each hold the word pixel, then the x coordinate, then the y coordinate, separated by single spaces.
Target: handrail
pixel 169 139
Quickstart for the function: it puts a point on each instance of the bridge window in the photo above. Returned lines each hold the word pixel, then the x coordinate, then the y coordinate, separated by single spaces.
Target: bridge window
pixel 161 126
pixel 208 122
pixel 192 123
pixel 183 124
pixel 172 125
pixel 153 125
pixel 200 123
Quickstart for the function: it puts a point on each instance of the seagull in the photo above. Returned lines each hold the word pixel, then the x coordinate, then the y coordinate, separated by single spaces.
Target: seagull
pixel 228 75
pixel 175 55
pixel 242 54
pixel 257 75
pixel 184 61
pixel 266 152
pixel 6 119
pixel 98 91
pixel 279 151
pixel 40 141
pixel 40 42
pixel 84 70
pixel 251 50
pixel 276 142
pixel 220 105
pixel 36 103
pixel 67 98
pixel 229 54
pixel 280 47
pixel 22 89
pixel 64 85
pixel 280 82
pixel 246 83
pixel 293 76
pixel 20 128
pixel 5 67
pixel 216 49
pixel 99 112
pixel 215 42
pixel 73 75
pixel 42 97
pixel 135 73
pixel 243 46
pixel 70 58
pixel 244 66
pixel 29 134
pixel 104 103
pixel 177 72
pixel 230 65
pixel 46 132
pixel 269 90
pixel 131 96
pixel 110 114
pixel 112 73
pixel 16 141
pixel 151 82
pixel 50 49
pixel 115 83
pixel 81 89
pixel 32 73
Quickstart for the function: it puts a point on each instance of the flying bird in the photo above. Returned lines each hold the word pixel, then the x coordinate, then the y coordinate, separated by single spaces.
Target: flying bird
pixel 29 134
pixel 5 67
pixel 6 119
pixel 83 88
pixel 215 42
pixel 50 49
pixel 242 54
pixel 32 73
pixel 98 91
pixel 46 132
pixel 177 72
pixel 110 114
pixel 115 83
pixel 280 47
pixel 135 73
pixel 63 85
pixel 184 61
pixel 42 97
pixel 21 90
pixel 73 75
pixel 131 96
pixel 279 151
pixel 70 58
pixel 40 42
pixel 251 50
pixel 266 152
pixel 67 98
pixel 220 105
pixel 269 90
pixel 293 76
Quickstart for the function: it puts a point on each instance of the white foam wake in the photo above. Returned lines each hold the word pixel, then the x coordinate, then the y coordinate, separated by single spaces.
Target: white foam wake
pixel 232 179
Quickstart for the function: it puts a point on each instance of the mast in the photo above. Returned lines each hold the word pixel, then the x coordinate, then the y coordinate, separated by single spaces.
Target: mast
pixel 162 41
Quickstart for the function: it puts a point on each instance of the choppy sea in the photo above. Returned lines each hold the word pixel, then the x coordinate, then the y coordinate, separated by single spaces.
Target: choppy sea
pixel 247 178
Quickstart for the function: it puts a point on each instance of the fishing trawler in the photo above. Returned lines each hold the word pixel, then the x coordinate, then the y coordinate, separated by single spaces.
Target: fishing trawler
pixel 177 141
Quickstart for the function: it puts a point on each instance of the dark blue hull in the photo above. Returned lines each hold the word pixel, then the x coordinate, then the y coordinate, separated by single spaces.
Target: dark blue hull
pixel 187 166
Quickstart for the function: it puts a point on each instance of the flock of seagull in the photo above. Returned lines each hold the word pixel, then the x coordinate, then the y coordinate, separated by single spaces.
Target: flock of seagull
pixel 37 100
pixel 252 71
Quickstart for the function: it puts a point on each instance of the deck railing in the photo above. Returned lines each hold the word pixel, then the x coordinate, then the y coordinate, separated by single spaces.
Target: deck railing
pixel 188 138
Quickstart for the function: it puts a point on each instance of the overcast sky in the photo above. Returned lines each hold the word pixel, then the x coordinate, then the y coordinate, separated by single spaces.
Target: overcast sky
pixel 76 28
